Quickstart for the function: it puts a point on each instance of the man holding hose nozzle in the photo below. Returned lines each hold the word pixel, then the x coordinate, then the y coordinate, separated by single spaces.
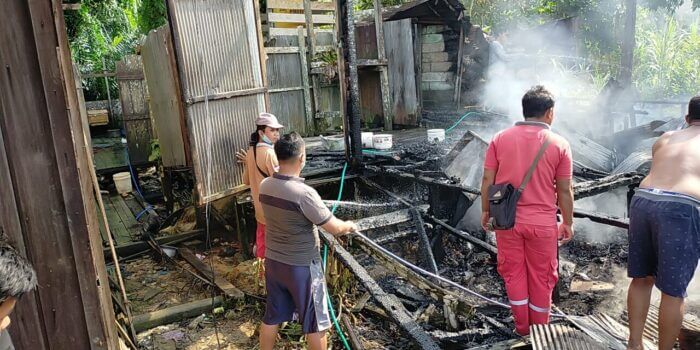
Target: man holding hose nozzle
pixel 664 232
pixel 294 277
pixel 527 174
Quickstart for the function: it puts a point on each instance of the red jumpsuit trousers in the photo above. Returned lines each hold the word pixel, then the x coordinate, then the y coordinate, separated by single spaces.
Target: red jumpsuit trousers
pixel 527 261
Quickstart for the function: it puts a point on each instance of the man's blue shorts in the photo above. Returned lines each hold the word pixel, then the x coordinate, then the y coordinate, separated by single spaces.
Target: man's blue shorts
pixel 296 293
pixel 664 239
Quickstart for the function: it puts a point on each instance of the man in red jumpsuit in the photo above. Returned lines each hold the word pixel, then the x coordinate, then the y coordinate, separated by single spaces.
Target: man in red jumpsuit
pixel 527 253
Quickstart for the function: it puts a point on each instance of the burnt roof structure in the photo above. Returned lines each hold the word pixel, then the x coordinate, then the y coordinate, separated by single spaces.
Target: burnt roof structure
pixel 450 12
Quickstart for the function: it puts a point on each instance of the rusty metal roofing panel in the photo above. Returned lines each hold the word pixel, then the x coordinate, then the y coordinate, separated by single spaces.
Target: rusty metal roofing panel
pixel 218 53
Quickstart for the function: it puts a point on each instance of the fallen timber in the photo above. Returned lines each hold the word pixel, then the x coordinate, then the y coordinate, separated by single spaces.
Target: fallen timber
pixel 602 218
pixel 417 217
pixel 175 313
pixel 425 180
pixel 602 185
pixel 220 282
pixel 390 304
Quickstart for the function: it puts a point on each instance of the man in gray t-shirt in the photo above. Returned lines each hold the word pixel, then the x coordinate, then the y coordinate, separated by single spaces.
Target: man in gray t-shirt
pixel 294 275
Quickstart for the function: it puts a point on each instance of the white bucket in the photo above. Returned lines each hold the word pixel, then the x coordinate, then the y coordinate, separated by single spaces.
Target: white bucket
pixel 367 140
pixel 436 135
pixel 382 141
pixel 123 182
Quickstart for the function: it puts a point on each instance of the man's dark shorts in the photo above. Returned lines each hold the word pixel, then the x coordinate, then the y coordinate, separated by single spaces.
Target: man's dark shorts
pixel 664 239
pixel 296 292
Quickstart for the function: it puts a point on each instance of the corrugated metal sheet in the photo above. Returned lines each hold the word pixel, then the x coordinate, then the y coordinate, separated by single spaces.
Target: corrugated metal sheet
pixel 167 110
pixel 466 160
pixel 588 152
pixel 230 123
pixel 672 125
pixel 639 160
pixel 217 47
pixel 561 337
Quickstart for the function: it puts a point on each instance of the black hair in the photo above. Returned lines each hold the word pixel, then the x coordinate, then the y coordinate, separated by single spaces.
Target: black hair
pixel 536 102
pixel 289 146
pixel 16 273
pixel 694 109
pixel 255 137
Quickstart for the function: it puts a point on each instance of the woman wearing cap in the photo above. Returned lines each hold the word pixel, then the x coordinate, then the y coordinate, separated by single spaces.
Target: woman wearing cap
pixel 260 162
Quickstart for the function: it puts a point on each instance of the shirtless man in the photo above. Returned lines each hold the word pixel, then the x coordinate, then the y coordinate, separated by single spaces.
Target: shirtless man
pixel 664 233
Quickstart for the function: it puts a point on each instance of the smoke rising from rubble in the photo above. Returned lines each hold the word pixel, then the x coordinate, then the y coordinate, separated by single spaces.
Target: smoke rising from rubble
pixel 613 203
pixel 540 57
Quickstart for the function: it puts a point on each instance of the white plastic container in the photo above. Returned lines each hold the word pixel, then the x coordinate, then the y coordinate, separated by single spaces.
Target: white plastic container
pixel 367 140
pixel 333 143
pixel 436 135
pixel 122 181
pixel 382 141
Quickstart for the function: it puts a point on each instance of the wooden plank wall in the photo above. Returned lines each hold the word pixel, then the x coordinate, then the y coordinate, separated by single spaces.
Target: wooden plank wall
pixel 284 72
pixel 297 97
pixel 133 94
pixel 165 101
pixel 402 71
pixel 47 210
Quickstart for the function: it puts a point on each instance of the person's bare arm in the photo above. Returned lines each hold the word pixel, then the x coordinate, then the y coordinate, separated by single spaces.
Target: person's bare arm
pixel 565 196
pixel 5 310
pixel 339 227
pixel 487 180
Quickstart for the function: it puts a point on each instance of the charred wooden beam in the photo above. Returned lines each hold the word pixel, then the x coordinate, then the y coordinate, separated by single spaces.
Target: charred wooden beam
pixel 434 289
pixel 394 236
pixel 391 305
pixel 428 256
pixel 384 220
pixel 594 187
pixel 465 236
pixel 602 218
pixel 421 179
pixel 354 339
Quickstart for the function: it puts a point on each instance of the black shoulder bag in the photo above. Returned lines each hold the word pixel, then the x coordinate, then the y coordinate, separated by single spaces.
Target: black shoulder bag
pixel 503 198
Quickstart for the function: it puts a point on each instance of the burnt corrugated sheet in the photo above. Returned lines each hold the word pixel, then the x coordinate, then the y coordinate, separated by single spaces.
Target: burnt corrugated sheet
pixel 588 152
pixel 672 125
pixel 639 160
pixel 217 48
pixel 466 160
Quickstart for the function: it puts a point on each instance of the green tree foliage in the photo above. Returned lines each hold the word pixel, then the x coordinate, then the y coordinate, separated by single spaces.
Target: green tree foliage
pixel 102 30
pixel 667 56
pixel 152 14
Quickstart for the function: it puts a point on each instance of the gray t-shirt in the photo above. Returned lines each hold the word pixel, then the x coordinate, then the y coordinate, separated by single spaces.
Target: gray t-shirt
pixel 292 210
